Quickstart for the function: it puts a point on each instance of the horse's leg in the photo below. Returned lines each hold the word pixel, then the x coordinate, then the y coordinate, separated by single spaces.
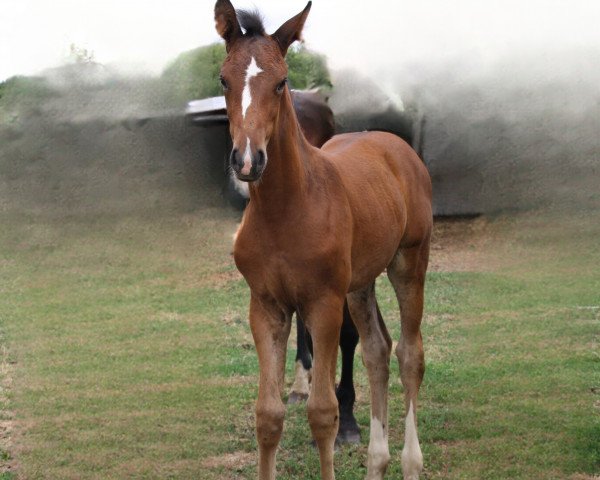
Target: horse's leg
pixel 376 349
pixel 301 386
pixel 270 329
pixel 324 320
pixel 348 431
pixel 407 274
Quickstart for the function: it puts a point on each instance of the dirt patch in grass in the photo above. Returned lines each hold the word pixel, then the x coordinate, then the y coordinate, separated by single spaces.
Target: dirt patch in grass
pixel 223 278
pixel 7 462
pixel 230 461
pixel 459 245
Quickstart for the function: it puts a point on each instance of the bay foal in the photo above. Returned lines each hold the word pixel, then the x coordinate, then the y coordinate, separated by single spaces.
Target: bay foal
pixel 317 123
pixel 320 227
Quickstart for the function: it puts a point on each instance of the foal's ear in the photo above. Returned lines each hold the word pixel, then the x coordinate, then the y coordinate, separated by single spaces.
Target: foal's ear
pixel 291 30
pixel 226 22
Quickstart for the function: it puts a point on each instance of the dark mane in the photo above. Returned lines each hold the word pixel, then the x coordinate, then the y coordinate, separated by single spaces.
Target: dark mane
pixel 251 22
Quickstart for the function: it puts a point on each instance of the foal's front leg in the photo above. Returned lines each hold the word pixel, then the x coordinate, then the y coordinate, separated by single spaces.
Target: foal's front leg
pixel 324 321
pixel 270 328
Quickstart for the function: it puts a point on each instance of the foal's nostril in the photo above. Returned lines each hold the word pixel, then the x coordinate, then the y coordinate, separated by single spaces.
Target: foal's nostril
pixel 234 158
pixel 260 160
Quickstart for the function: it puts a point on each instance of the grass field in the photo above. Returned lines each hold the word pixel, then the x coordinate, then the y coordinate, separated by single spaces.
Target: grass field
pixel 126 352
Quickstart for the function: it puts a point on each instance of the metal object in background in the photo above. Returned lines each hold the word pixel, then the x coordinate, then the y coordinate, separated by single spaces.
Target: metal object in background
pixel 207 112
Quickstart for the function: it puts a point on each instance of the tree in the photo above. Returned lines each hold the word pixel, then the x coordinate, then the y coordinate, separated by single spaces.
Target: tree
pixel 195 74
pixel 81 55
pixel 307 69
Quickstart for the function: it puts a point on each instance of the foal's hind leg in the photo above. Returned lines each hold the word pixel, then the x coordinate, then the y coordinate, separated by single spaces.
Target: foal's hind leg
pixel 301 386
pixel 407 274
pixel 348 431
pixel 376 348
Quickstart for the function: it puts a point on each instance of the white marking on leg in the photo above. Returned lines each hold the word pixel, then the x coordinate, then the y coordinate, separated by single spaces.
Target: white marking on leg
pixel 251 71
pixel 379 453
pixel 412 458
pixel 301 385
pixel 247 159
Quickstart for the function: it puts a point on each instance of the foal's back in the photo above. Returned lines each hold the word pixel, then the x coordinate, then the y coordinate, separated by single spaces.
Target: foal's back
pixel 388 189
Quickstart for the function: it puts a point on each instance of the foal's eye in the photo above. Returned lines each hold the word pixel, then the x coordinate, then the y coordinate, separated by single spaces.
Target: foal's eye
pixel 223 83
pixel 281 85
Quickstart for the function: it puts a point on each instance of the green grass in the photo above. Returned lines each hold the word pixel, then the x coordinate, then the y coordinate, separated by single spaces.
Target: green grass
pixel 132 358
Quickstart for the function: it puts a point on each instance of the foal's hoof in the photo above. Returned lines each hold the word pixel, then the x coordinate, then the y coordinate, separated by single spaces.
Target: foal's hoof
pixel 296 397
pixel 348 433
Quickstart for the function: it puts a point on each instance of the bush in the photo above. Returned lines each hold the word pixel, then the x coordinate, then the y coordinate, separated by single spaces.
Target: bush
pixel 18 89
pixel 195 74
pixel 307 69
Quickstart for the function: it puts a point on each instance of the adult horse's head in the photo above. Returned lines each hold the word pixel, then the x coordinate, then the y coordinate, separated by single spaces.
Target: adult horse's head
pixel 254 80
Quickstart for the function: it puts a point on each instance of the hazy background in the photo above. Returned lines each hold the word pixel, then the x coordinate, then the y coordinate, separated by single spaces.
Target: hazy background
pixel 505 96
pixel 374 37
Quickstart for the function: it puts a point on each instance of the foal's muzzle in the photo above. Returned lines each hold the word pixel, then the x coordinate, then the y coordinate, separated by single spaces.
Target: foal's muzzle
pixel 248 168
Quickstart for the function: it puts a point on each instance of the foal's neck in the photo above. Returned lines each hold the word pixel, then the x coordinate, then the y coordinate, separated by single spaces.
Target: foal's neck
pixel 288 162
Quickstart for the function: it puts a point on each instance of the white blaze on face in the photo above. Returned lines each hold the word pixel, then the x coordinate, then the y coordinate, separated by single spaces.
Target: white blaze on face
pixel 247 159
pixel 412 458
pixel 251 71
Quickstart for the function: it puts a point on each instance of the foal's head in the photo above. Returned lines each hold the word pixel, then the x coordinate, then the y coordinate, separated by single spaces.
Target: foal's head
pixel 254 79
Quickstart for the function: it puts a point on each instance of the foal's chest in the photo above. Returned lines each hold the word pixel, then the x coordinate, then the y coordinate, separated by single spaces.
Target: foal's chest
pixel 290 262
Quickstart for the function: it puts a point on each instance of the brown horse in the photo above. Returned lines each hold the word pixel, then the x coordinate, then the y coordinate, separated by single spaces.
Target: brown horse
pixel 320 227
pixel 314 116
pixel 316 120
